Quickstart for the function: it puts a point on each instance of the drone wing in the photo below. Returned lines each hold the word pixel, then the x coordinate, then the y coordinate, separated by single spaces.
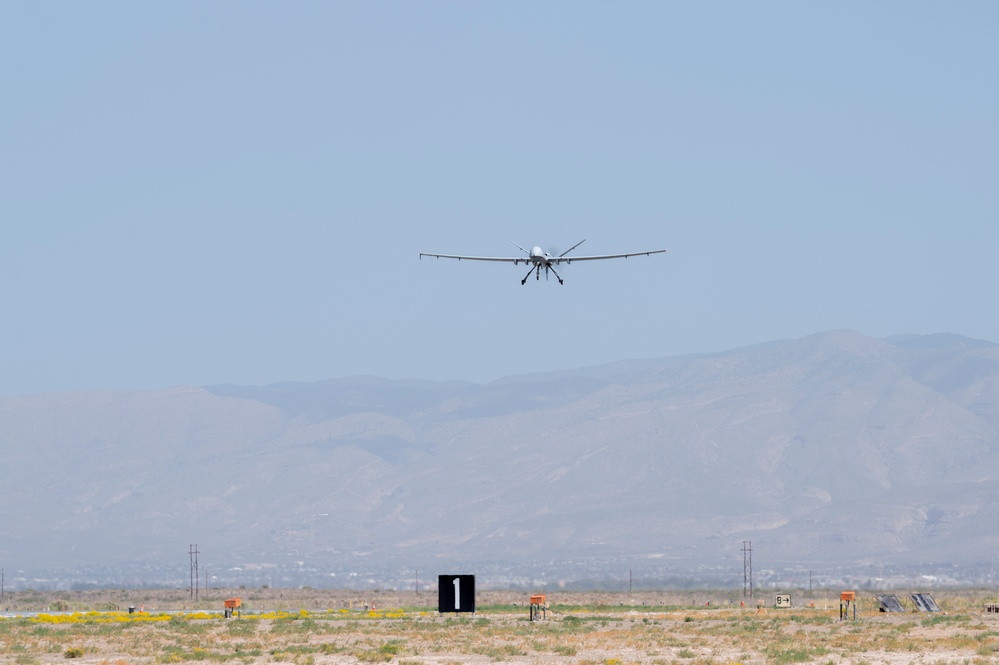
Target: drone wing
pixel 572 259
pixel 506 259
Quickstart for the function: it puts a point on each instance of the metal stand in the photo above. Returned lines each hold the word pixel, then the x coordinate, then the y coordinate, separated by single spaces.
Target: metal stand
pixel 539 607
pixel 846 600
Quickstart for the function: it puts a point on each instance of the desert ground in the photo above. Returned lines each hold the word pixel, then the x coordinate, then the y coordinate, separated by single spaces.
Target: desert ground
pixel 313 627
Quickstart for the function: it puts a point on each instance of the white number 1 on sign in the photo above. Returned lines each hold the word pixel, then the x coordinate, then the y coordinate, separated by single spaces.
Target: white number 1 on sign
pixel 457 593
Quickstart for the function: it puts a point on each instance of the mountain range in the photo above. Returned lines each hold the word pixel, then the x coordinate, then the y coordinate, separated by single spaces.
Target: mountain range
pixel 833 449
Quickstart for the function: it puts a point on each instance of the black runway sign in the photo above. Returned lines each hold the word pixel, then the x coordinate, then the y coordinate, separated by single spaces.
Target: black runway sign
pixel 455 593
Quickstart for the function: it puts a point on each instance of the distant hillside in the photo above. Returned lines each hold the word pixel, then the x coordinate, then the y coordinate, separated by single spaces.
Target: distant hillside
pixel 829 449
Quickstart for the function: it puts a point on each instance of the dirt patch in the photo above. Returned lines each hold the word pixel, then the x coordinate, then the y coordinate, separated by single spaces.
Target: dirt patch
pixel 309 627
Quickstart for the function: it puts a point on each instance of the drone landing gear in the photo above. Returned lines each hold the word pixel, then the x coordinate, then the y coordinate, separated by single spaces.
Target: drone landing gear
pixel 524 281
pixel 537 274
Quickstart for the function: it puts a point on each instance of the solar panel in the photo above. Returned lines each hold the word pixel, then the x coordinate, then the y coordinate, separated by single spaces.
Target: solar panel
pixel 924 602
pixel 889 602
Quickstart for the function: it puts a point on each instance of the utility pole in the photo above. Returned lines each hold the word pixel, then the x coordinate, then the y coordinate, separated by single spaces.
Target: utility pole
pixel 747 568
pixel 192 552
pixel 809 584
pixel 629 580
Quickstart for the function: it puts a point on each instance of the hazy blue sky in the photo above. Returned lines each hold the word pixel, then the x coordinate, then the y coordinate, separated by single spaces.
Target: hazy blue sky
pixel 238 192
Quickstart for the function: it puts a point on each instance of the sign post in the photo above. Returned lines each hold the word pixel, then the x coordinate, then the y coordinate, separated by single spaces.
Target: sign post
pixel 455 593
